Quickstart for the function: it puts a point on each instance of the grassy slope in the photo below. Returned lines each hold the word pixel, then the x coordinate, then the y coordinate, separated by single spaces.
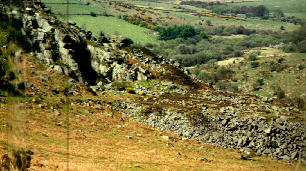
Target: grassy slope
pixel 293 83
pixel 185 18
pixel 98 136
pixel 107 25
pixel 290 7
pixel 115 26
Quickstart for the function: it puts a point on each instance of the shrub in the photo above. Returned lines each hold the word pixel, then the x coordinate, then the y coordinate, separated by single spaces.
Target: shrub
pixel 252 57
pixel 301 46
pixel 288 48
pixel 93 14
pixel 258 84
pixel 221 85
pixel 207 77
pixel 298 102
pixel 149 45
pixel 282 28
pixel 208 22
pixel 203 35
pixel 278 91
pixel 183 49
pixel 273 66
pixel 255 64
pixel 224 73
pixel 238 53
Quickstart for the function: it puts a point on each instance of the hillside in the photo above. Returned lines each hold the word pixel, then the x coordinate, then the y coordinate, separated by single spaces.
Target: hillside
pixel 71 100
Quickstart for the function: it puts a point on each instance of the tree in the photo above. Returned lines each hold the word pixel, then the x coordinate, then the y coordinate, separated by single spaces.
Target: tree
pixel 172 32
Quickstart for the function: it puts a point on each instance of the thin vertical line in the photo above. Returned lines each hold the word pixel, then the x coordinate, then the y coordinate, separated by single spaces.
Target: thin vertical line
pixel 68 119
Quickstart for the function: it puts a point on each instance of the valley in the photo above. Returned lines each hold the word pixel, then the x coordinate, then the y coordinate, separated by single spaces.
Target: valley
pixel 152 85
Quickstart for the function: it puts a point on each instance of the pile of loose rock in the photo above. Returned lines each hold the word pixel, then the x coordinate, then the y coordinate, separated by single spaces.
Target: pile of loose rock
pixel 277 136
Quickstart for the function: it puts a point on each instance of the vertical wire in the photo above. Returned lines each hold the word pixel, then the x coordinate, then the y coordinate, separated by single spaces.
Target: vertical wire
pixel 67 113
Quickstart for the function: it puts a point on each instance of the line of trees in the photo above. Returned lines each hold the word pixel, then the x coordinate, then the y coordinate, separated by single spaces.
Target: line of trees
pixel 172 32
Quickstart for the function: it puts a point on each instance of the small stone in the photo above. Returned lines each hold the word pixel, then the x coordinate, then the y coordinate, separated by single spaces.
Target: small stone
pixel 169 145
pixel 202 159
pixel 153 151
pixel 285 157
pixel 45 135
pixel 169 138
pixel 139 135
pixel 129 137
pixel 268 130
pixel 44 77
pixel 294 155
pixel 266 151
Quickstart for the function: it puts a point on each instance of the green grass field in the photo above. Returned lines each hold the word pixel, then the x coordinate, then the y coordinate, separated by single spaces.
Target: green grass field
pixel 115 26
pixel 290 7
pixel 74 9
pixel 251 23
pixel 107 25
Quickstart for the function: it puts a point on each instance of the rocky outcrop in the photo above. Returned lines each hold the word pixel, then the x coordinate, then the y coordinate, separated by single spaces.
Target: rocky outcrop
pixel 67 48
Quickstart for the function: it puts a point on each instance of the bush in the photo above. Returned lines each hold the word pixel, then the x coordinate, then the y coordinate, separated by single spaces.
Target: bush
pixel 222 85
pixel 207 77
pixel 278 91
pixel 149 45
pixel 288 48
pixel 255 64
pixel 208 22
pixel 183 49
pixel 273 66
pixel 238 53
pixel 282 28
pixel 301 46
pixel 224 73
pixel 258 84
pixel 252 57
pixel 298 102
pixel 93 14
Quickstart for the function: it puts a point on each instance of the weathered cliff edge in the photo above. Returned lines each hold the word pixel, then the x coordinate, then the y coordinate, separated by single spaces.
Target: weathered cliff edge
pixel 249 123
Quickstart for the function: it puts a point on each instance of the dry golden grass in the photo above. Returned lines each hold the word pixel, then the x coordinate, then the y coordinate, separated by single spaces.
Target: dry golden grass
pixel 104 145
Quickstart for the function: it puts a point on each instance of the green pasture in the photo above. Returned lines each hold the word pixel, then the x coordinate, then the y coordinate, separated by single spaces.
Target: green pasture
pixel 251 23
pixel 114 26
pixel 80 8
pixel 107 25
pixel 290 7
